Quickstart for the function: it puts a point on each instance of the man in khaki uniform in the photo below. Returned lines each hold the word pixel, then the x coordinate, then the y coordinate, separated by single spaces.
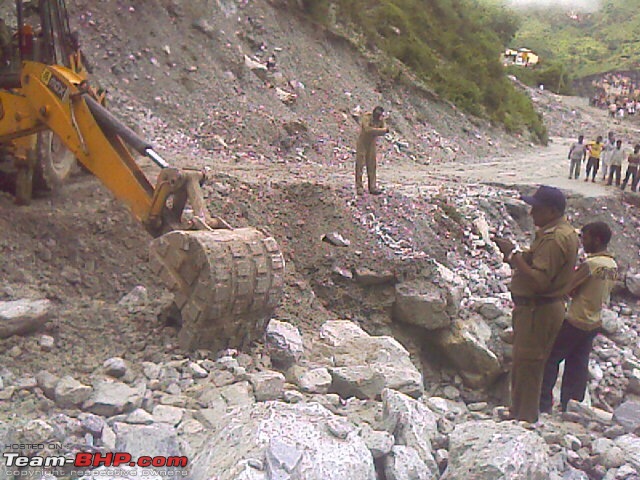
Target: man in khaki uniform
pixel 371 127
pixel 540 280
pixel 590 289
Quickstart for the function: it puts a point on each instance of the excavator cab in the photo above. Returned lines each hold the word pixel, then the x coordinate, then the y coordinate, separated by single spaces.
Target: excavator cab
pixel 225 281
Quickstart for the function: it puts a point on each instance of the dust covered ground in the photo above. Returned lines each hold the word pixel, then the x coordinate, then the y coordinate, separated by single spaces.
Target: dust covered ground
pixel 182 80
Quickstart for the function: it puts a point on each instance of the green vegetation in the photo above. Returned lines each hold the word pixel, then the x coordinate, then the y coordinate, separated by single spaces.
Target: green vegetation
pixel 453 46
pixel 592 43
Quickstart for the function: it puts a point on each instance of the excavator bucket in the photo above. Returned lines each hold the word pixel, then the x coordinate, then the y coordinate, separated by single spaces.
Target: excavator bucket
pixel 226 283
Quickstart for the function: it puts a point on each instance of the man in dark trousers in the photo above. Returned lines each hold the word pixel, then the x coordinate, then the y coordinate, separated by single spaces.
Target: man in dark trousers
pixel 632 169
pixel 594 149
pixel 372 126
pixel 577 154
pixel 541 276
pixel 590 289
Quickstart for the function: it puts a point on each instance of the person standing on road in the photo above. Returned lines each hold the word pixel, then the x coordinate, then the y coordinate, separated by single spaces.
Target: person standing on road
pixel 632 169
pixel 371 127
pixel 594 150
pixel 615 163
pixel 590 288
pixel 607 150
pixel 541 276
pixel 577 154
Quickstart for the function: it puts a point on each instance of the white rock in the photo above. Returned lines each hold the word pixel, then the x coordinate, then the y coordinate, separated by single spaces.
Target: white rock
pixel 69 392
pixel 404 463
pixel 485 450
pixel 632 282
pixel 167 414
pixel 197 371
pixel 284 343
pixel 46 343
pixel 630 445
pixel 115 367
pixel 137 297
pixel 20 317
pixel 294 437
pixel 317 380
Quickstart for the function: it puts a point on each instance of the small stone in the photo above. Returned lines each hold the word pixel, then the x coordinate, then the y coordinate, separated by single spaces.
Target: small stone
pixel 379 443
pixel 46 343
pixel 293 396
pixel 612 458
pixel 572 442
pixel 317 380
pixel 477 407
pixel 115 367
pixel 227 363
pixel 135 298
pixel 151 370
pixel 139 417
pixel 284 343
pixel 451 392
pixel 628 415
pixel 15 351
pixel 197 371
pixel 267 385
pixel 91 423
pixel 70 393
pixel 442 458
pixel 340 428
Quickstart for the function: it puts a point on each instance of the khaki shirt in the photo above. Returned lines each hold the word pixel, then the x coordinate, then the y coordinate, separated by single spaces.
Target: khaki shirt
pixel 601 272
pixel 370 129
pixel 552 256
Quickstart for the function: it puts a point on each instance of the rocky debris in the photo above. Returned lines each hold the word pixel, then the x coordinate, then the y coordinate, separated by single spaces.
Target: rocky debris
pixel 46 343
pixel 20 317
pixel 284 343
pixel 296 437
pixel 365 364
pixel 628 415
pixel 485 450
pixel 334 238
pixel 367 277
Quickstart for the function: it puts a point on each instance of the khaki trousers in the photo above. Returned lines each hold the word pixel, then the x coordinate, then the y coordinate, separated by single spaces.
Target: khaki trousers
pixel 366 155
pixel 534 331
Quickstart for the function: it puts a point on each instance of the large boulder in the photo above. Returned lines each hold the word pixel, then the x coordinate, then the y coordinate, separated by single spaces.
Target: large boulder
pixel 293 442
pixel 356 355
pixel 20 317
pixel 466 345
pixel 411 423
pixel 486 450
pixel 421 303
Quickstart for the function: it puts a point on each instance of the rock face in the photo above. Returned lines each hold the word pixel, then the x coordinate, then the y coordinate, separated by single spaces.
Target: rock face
pixel 366 363
pixel 294 439
pixel 485 450
pixel 465 346
pixel 20 317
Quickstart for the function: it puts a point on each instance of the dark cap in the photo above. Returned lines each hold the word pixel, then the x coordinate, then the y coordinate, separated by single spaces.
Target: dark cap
pixel 547 196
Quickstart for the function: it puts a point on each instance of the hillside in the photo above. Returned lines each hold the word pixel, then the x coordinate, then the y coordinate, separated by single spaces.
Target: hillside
pixel 586 43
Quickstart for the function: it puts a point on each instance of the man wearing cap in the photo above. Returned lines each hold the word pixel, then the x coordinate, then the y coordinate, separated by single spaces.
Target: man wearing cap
pixel 540 279
pixel 371 127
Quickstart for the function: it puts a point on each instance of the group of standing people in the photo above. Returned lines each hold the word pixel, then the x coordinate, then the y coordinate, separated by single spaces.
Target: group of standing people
pixel 607 158
pixel 546 332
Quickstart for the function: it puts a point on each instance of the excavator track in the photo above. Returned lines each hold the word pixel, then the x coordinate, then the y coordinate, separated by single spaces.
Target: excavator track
pixel 226 283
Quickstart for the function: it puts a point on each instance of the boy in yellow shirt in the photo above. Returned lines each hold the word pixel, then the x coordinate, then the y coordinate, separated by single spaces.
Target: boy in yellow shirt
pixel 590 289
pixel 593 163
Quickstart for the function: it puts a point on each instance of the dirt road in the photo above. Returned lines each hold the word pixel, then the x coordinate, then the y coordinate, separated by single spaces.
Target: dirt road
pixel 547 166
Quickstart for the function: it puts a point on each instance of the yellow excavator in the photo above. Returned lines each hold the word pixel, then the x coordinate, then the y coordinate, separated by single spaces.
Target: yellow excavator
pixel 226 282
